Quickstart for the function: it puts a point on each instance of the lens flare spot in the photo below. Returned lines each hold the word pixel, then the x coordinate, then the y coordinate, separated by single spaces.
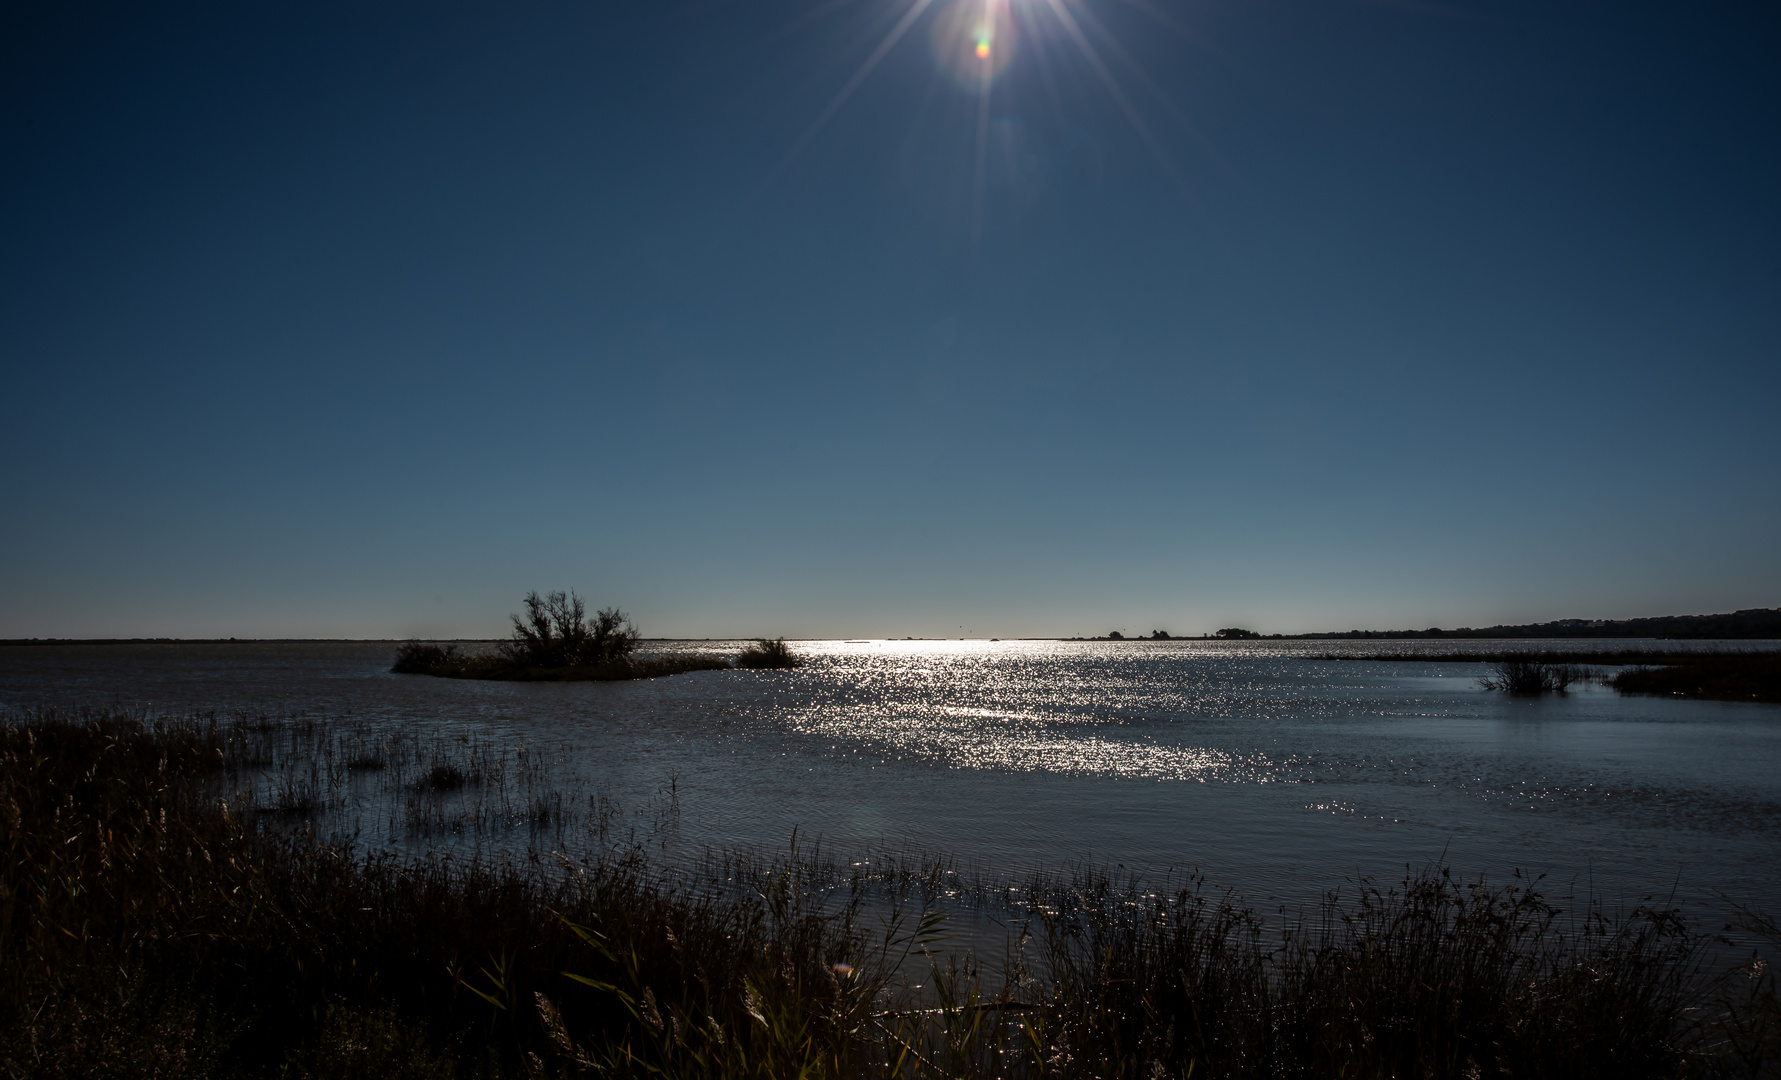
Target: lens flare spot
pixel 974 39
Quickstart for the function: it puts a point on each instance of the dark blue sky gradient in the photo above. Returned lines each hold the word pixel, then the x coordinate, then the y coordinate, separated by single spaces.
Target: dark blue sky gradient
pixel 363 319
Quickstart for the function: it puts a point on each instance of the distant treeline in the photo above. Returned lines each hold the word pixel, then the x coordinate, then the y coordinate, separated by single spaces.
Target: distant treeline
pixel 179 641
pixel 1750 623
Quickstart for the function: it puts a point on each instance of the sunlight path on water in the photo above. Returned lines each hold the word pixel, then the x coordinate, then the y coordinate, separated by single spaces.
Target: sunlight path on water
pixel 1267 766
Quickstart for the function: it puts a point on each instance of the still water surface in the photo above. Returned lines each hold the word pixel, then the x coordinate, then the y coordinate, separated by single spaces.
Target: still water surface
pixel 1266 767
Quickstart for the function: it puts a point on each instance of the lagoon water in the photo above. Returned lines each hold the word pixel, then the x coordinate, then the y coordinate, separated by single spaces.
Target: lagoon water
pixel 1264 766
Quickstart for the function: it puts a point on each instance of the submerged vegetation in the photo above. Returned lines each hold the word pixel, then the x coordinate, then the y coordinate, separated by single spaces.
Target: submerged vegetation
pixel 159 919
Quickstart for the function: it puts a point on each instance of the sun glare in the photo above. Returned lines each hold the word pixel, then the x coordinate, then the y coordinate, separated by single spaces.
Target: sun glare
pixel 973 39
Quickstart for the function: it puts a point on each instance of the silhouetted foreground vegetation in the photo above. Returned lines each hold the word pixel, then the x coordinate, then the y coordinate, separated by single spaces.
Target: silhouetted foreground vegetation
pixel 155 925
pixel 556 632
pixel 553 641
pixel 1528 677
pixel 1721 677
pixel 767 654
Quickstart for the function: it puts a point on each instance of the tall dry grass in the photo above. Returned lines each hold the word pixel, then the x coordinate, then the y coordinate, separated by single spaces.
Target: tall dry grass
pixel 162 915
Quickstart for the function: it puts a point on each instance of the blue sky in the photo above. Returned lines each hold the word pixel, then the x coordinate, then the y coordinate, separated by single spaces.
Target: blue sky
pixel 364 319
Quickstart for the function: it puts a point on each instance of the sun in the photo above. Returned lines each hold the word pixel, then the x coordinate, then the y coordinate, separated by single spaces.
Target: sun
pixel 973 39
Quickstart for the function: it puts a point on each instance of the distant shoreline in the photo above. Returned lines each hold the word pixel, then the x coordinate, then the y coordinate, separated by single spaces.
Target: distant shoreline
pixel 1750 624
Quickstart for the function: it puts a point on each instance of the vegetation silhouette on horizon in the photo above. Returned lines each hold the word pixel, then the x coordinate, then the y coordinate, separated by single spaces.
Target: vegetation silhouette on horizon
pixel 767 654
pixel 555 640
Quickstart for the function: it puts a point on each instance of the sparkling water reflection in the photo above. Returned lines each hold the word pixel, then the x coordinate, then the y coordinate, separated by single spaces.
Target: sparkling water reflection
pixel 1266 766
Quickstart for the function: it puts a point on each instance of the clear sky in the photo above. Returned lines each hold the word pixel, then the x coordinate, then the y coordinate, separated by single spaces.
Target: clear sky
pixel 362 319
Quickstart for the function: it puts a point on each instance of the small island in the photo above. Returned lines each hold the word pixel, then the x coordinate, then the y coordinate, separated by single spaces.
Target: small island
pixel 556 641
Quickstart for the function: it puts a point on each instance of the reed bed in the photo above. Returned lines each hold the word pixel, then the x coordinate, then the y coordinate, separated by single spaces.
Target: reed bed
pixel 768 653
pixel 163 913
pixel 447 661
pixel 555 640
pixel 1530 677
pixel 1755 677
pixel 1718 675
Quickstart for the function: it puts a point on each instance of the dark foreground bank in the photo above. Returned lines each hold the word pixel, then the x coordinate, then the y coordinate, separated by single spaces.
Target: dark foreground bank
pixel 155 923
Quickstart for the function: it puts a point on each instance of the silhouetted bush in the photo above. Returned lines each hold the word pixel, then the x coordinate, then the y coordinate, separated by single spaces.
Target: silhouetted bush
pixel 556 633
pixel 1528 677
pixel 768 654
pixel 555 641
pixel 422 658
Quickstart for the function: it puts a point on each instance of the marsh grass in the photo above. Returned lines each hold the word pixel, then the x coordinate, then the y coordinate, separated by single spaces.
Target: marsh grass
pixel 155 923
pixel 417 658
pixel 426 658
pixel 138 899
pixel 1431 977
pixel 301 800
pixel 555 640
pixel 1748 999
pixel 765 653
pixel 1530 676
pixel 445 776
pixel 372 760
pixel 1722 677
pixel 543 809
